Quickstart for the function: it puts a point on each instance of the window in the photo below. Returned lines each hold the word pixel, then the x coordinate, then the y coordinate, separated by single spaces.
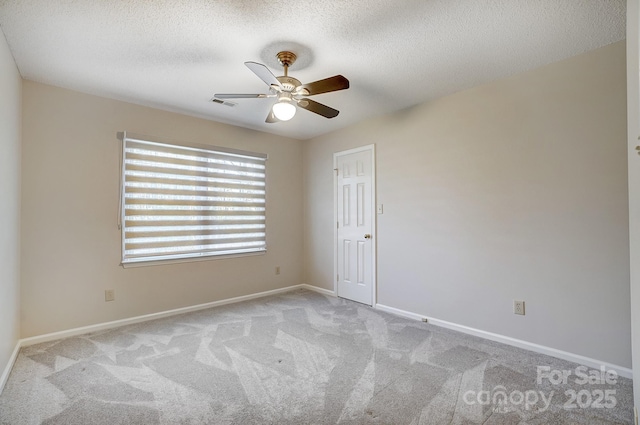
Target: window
pixel 180 202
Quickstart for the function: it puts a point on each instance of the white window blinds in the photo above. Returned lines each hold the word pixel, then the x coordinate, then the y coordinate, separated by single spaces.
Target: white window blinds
pixel 185 202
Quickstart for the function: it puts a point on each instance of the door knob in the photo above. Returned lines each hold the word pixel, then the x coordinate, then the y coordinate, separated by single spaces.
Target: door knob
pixel 367 236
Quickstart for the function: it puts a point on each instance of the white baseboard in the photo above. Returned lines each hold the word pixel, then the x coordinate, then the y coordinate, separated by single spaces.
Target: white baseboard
pixel 137 319
pixel 25 342
pixel 9 366
pixel 622 371
pixel 398 312
pixel 564 355
pixel 319 290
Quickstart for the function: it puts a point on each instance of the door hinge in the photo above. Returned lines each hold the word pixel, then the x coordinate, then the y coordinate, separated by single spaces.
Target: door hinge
pixel 337 171
pixel 337 278
pixel 337 224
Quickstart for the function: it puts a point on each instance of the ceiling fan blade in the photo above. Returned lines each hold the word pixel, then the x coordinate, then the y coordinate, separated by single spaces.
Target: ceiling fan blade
pixel 318 108
pixel 271 118
pixel 263 72
pixel 337 82
pixel 239 96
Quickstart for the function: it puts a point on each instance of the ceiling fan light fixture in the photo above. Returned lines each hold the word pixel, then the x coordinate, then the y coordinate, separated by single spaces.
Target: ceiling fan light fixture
pixel 284 109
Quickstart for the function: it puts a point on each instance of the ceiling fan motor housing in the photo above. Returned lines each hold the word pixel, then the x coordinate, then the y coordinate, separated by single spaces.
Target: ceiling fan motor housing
pixel 289 83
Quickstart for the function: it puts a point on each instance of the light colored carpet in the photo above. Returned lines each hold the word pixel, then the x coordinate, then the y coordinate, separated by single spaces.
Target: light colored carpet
pixel 297 358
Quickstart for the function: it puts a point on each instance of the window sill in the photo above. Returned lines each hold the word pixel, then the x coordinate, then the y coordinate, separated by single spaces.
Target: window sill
pixel 159 262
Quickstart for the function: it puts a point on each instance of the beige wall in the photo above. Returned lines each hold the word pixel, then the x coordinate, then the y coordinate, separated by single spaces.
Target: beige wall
pixel 10 98
pixel 513 190
pixel 70 242
pixel 633 122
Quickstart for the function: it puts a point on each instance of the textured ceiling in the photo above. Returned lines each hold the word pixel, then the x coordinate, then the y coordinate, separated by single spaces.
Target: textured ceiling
pixel 175 54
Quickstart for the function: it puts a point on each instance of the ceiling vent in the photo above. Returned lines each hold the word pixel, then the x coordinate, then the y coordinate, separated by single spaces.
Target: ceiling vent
pixel 224 102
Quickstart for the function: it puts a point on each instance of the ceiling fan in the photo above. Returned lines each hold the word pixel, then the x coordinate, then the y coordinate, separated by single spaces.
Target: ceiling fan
pixel 290 91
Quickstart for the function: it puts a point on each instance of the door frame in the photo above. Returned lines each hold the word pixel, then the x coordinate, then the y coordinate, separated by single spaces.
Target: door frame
pixel 374 219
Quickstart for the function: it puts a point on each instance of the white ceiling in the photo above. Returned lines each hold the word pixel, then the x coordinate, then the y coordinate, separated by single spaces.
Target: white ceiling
pixel 175 54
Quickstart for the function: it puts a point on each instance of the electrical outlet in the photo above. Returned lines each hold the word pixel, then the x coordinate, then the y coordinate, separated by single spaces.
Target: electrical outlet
pixel 277 269
pixel 518 307
pixel 109 295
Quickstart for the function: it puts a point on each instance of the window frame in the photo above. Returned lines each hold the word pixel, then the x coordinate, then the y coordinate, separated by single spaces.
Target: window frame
pixel 201 255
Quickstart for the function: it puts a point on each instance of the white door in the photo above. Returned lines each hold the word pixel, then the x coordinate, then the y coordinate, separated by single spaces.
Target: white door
pixel 355 203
